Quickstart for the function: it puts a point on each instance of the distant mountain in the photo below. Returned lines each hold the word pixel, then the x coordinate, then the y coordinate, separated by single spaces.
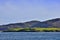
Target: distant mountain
pixel 42 25
pixel 34 23
pixel 31 23
pixel 21 25
pixel 46 24
pixel 53 22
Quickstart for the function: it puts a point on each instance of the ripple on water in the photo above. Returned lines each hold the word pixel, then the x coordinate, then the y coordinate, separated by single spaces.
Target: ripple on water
pixel 30 36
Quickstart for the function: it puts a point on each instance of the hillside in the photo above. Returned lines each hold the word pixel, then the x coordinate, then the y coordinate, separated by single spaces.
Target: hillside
pixel 53 23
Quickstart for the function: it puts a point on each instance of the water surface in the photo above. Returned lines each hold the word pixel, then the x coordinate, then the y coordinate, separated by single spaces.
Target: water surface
pixel 29 35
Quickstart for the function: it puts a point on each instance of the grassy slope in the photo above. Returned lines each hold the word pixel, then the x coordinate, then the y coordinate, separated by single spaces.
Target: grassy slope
pixel 47 29
pixel 35 29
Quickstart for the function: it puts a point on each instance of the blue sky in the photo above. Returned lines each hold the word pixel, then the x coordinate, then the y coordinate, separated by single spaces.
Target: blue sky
pixel 12 11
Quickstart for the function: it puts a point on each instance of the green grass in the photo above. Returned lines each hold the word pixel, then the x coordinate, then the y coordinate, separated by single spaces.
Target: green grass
pixel 48 29
pixel 35 29
pixel 15 29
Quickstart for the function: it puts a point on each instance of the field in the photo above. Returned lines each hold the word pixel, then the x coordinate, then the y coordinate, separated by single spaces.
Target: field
pixel 34 30
pixel 47 29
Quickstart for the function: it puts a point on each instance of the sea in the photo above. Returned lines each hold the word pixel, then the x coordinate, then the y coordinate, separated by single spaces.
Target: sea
pixel 29 35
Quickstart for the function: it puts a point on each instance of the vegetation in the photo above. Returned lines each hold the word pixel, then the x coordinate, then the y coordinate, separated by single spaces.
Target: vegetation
pixel 47 29
pixel 33 30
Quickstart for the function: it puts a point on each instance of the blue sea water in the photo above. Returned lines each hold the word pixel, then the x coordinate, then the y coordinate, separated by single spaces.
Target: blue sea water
pixel 29 35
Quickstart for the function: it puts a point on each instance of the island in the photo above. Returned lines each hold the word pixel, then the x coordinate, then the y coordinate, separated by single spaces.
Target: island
pixel 52 25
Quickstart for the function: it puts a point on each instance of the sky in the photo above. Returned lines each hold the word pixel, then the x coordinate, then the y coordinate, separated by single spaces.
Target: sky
pixel 12 11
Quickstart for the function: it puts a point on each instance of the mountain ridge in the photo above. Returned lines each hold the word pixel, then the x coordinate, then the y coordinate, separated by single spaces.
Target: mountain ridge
pixel 34 23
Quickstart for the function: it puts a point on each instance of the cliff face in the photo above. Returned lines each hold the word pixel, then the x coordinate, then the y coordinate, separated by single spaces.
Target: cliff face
pixel 32 24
